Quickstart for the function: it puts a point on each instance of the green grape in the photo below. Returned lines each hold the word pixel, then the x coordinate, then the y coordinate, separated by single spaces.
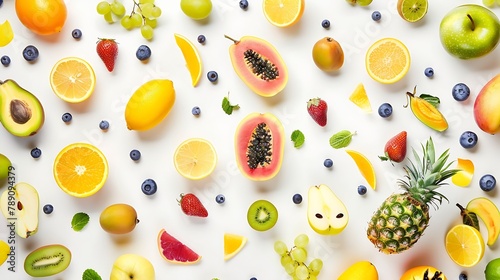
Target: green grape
pixel 126 22
pixel 364 2
pixel 498 2
pixel 196 9
pixel 117 8
pixel 302 272
pixel 151 22
pixel 146 1
pixel 103 8
pixel 280 248
pixel 315 266
pixel 489 3
pixel 290 268
pixel 109 17
pixel 301 241
pixel 312 277
pixel 136 20
pixel 147 32
pixel 299 254
pixel 147 10
pixel 156 12
pixel 286 259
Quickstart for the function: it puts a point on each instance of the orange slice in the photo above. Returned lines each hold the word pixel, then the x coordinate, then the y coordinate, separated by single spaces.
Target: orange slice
pixel 80 169
pixel 283 13
pixel 233 244
pixel 364 166
pixel 387 60
pixel 463 177
pixel 465 245
pixel 195 158
pixel 192 57
pixel 6 33
pixel 72 79
pixel 360 98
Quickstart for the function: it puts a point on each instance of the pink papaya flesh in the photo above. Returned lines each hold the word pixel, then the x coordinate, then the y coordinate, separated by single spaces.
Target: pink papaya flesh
pixel 259 65
pixel 259 146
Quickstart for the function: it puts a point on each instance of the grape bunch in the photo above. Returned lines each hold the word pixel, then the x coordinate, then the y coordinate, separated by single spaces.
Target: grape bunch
pixel 294 260
pixel 144 15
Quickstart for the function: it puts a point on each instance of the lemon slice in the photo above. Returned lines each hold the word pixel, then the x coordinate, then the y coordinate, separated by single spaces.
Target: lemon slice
pixel 387 60
pixel 283 13
pixel 6 33
pixel 195 158
pixel 463 177
pixel 364 166
pixel 233 244
pixel 72 79
pixel 360 98
pixel 464 245
pixel 192 57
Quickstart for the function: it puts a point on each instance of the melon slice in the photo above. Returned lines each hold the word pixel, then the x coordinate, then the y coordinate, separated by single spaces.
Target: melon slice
pixel 174 251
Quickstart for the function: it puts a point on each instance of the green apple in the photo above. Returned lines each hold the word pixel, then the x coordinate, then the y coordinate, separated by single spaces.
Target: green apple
pixel 21 202
pixel 469 31
pixel 132 266
pixel 325 211
pixel 4 167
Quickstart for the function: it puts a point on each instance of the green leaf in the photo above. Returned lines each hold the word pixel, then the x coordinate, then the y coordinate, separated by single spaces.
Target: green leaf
pixel 90 274
pixel 298 138
pixel 227 106
pixel 79 221
pixel 434 100
pixel 468 217
pixel 341 139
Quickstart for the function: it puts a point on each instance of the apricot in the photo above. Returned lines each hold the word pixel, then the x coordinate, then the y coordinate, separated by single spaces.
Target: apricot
pixel 118 218
pixel 328 54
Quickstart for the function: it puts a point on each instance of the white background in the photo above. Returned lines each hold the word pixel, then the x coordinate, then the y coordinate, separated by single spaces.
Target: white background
pixel 353 27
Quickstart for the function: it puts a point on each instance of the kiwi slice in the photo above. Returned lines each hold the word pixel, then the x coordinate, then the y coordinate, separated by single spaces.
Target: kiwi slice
pixel 412 10
pixel 262 215
pixel 47 260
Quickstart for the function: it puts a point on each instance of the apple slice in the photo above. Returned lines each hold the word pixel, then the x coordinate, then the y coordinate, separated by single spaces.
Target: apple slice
pixel 325 211
pixel 22 203
pixel 489 213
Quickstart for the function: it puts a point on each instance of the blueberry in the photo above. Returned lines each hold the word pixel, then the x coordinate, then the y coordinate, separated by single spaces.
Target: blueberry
pixel 361 190
pixel 460 92
pixel 253 278
pixel 48 208
pixel 202 39
pixel 135 155
pixel 297 198
pixel 1 2
pixel 328 163
pixel 325 23
pixel 385 110
pixel 376 15
pixel 468 139
pixel 487 182
pixel 429 72
pixel 143 52
pixel 149 187
pixel 220 198
pixel 212 76
pixel 30 53
pixel 5 60
pixel 76 33
pixel 244 4
pixel 104 125
pixel 462 276
pixel 67 117
pixel 36 153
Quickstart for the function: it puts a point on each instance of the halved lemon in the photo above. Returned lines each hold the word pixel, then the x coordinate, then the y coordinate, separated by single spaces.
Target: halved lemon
pixel 233 244
pixel 283 13
pixel 465 245
pixel 360 98
pixel 387 60
pixel 463 177
pixel 72 79
pixel 365 167
pixel 6 33
pixel 192 57
pixel 195 158
pixel 80 169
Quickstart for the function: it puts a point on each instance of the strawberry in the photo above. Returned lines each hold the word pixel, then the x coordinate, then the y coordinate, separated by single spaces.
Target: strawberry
pixel 395 148
pixel 107 49
pixel 191 205
pixel 317 108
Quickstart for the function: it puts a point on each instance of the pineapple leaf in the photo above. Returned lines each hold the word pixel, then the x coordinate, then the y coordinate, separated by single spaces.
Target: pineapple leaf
pixel 429 151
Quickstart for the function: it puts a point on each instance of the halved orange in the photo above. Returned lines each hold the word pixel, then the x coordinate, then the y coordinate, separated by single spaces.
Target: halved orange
pixel 463 177
pixel 80 169
pixel 283 13
pixel 464 245
pixel 192 57
pixel 365 167
pixel 72 79
pixel 233 244
pixel 195 158
pixel 387 60
pixel 360 98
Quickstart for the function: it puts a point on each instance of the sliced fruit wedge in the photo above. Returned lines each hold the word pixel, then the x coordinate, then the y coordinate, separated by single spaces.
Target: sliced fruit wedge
pixel 233 244
pixel 6 33
pixel 192 57
pixel 283 13
pixel 360 98
pixel 488 212
pixel 174 251
pixel 364 166
pixel 464 245
pixel 412 10
pixel 463 177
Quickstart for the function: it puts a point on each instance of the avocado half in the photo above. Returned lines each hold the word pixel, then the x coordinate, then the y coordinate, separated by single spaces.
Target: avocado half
pixel 21 113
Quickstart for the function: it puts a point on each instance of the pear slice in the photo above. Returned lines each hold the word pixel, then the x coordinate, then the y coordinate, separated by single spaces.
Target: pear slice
pixel 20 205
pixel 325 211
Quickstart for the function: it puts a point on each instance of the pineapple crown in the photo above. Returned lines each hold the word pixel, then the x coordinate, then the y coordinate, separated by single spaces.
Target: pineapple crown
pixel 426 174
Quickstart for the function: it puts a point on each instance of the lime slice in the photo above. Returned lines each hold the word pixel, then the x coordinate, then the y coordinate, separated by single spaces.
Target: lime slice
pixel 412 10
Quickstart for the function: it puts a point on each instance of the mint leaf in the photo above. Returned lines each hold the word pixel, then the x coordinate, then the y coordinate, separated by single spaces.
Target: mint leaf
pixel 79 221
pixel 434 100
pixel 298 138
pixel 227 106
pixel 90 274
pixel 341 139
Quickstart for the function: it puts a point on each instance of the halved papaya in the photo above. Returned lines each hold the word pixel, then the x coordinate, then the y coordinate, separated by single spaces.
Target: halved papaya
pixel 259 146
pixel 259 65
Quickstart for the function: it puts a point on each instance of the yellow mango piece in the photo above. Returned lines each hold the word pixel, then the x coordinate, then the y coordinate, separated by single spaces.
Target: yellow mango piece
pixel 464 176
pixel 6 33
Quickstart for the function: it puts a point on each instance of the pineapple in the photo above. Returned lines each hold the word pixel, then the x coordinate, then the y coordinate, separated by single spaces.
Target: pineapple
pixel 402 218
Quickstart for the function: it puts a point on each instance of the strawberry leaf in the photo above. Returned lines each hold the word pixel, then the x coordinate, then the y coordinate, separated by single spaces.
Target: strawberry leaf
pixel 298 138
pixel 341 139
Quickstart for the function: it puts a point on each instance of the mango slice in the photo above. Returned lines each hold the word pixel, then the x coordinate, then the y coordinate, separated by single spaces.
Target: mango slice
pixel 464 176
